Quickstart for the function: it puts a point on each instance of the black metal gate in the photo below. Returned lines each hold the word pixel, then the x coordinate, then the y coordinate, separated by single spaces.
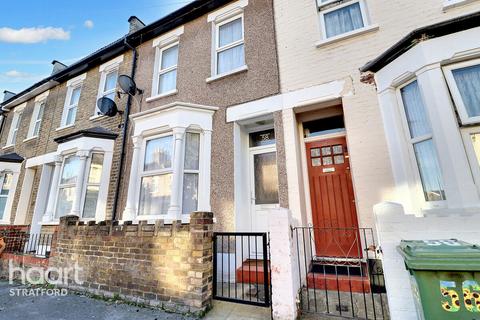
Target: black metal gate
pixel 241 268
pixel 349 284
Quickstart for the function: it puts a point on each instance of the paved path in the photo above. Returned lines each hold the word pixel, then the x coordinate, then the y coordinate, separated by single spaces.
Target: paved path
pixel 79 307
pixel 72 307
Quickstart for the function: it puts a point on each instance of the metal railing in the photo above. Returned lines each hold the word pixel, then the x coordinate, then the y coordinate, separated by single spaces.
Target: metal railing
pixel 340 272
pixel 21 242
pixel 241 268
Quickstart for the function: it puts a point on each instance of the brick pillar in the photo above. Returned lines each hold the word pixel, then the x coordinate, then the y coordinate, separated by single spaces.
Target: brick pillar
pixel 201 260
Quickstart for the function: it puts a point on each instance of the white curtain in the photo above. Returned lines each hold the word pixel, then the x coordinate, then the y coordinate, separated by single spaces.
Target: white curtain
pixel 417 119
pixel 343 20
pixel 231 58
pixel 468 83
pixel 230 32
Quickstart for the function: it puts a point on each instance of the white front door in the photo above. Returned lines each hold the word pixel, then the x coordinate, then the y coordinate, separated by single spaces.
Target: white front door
pixel 263 186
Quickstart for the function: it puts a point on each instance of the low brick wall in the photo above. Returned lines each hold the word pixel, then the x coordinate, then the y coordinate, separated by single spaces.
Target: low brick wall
pixel 162 265
pixel 24 262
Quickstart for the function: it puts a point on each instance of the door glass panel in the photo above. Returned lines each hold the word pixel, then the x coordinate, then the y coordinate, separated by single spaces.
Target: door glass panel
pixel 339 159
pixel 316 162
pixel 262 138
pixel 337 149
pixel 327 161
pixel 326 151
pixel 315 152
pixel 266 178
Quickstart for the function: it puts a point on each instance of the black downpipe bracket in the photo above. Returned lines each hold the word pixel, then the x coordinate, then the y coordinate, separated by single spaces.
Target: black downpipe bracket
pixel 126 115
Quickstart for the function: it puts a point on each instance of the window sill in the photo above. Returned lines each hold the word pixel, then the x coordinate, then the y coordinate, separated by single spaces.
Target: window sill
pixel 8 146
pixel 163 95
pixel 65 127
pixel 30 139
pixel 96 117
pixel 347 35
pixel 226 74
pixel 454 3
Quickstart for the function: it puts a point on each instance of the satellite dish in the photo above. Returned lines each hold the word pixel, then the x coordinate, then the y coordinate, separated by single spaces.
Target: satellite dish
pixel 107 107
pixel 128 86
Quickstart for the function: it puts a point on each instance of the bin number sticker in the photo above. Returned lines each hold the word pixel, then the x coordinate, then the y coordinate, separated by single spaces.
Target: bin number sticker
pixel 471 296
pixel 448 242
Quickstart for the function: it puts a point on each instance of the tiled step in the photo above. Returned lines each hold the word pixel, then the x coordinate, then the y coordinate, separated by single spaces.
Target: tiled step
pixel 342 283
pixel 251 271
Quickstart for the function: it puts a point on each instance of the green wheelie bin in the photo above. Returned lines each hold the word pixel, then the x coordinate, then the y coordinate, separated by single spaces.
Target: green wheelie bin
pixel 445 276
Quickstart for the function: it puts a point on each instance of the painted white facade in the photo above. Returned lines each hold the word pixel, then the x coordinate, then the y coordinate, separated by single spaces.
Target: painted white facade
pixel 410 216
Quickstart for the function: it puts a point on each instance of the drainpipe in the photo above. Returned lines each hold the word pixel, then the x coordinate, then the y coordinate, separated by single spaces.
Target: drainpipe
pixel 126 115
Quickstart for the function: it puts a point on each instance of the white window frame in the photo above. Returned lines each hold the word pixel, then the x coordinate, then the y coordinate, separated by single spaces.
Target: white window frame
pixel 72 84
pixel 158 71
pixel 61 186
pixel 85 184
pixel 217 49
pixel 105 69
pixel 7 196
pixel 457 97
pixel 15 126
pixel 193 171
pixel 172 170
pixel 367 24
pixel 419 193
pixel 472 157
pixel 37 118
pixel 143 173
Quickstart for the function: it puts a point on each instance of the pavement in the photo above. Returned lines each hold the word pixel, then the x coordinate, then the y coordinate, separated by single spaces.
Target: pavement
pixel 80 307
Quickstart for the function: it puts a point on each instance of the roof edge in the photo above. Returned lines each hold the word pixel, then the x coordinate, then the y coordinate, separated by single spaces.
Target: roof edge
pixel 436 30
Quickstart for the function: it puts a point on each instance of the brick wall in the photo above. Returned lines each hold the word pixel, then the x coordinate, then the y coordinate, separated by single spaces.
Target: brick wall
pixel 162 265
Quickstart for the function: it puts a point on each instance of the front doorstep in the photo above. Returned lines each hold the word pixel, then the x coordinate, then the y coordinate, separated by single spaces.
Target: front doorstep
pixel 251 271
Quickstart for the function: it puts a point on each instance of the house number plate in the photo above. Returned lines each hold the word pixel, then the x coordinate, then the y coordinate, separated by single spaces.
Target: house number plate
pixel 325 170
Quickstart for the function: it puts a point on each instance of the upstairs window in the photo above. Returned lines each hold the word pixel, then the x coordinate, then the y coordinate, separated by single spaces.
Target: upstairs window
pixel 74 90
pixel 229 45
pixel 339 19
pixel 167 69
pixel 109 72
pixel 36 122
pixel 421 140
pixel 17 119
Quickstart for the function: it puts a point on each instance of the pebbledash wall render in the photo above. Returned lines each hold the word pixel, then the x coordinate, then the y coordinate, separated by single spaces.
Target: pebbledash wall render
pixel 184 285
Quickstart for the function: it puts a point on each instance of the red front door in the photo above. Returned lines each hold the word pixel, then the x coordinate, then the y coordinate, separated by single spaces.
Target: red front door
pixel 333 202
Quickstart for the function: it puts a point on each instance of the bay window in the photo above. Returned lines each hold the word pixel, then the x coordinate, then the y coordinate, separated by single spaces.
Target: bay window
pixel 156 177
pixel 422 144
pixel 5 186
pixel 70 181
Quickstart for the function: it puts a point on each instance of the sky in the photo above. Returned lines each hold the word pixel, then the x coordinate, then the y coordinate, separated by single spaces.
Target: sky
pixel 33 33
